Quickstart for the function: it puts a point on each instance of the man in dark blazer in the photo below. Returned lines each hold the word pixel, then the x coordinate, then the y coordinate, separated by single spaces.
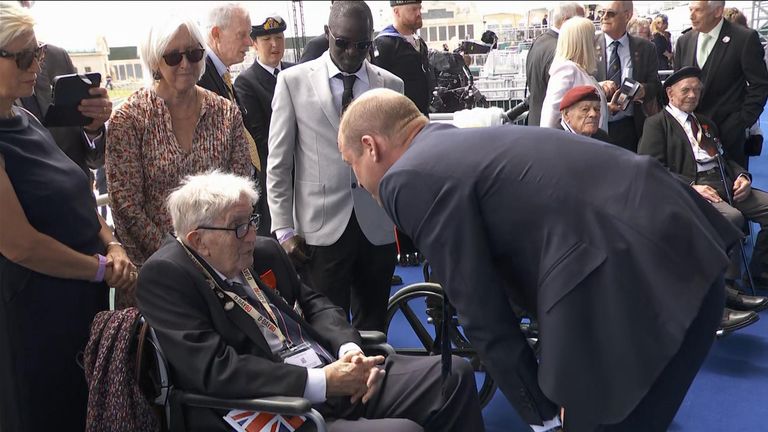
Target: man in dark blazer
pixel 634 58
pixel 732 70
pixel 255 88
pixel 682 141
pixel 84 145
pixel 207 293
pixel 540 58
pixel 577 233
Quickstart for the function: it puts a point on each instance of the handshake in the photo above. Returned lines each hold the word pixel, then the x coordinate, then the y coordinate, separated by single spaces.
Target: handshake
pixel 355 375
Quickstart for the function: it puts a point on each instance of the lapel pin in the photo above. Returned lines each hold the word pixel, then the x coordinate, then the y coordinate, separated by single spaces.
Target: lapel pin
pixel 726 39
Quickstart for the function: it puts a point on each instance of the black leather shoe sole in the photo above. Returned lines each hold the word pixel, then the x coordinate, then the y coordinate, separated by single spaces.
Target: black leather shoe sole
pixel 397 280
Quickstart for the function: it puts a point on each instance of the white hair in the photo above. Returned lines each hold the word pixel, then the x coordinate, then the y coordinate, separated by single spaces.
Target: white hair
pixel 712 5
pixel 203 198
pixel 221 16
pixel 15 21
pixel 564 11
pixel 153 46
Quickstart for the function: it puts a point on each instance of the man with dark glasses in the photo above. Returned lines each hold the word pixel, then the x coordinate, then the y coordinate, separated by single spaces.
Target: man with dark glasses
pixel 84 145
pixel 331 228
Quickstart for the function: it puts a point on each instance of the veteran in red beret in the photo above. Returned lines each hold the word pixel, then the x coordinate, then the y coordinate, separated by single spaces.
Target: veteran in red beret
pixel 580 112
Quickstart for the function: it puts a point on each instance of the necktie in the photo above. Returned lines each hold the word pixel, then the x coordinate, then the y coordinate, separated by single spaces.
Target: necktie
pixel 275 72
pixel 705 144
pixel 347 96
pixel 704 48
pixel 614 65
pixel 252 149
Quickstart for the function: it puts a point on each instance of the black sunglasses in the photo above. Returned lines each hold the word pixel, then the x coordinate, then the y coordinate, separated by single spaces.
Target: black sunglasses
pixel 25 58
pixel 240 230
pixel 193 56
pixel 342 43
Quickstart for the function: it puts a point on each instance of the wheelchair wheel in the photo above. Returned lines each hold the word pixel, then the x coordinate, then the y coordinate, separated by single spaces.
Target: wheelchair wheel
pixel 407 302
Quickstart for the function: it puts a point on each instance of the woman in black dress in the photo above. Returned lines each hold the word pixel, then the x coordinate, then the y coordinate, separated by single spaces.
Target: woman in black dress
pixel 57 256
pixel 660 37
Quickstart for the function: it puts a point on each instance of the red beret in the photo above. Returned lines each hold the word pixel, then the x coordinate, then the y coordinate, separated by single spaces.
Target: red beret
pixel 578 94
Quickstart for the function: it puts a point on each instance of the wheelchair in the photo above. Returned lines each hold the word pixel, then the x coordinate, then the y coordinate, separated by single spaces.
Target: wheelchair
pixel 152 374
pixel 407 302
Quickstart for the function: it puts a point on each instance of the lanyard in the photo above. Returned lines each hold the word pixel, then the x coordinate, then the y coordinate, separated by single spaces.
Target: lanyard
pixel 270 326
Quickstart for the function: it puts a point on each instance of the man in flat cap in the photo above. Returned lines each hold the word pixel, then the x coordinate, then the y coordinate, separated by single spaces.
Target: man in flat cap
pixel 255 87
pixel 688 145
pixel 580 113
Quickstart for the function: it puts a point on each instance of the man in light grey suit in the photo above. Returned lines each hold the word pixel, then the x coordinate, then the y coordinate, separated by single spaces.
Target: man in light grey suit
pixel 328 225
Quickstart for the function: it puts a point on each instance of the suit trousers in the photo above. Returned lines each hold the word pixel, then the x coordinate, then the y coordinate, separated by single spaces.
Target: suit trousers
pixel 655 412
pixel 753 208
pixel 623 133
pixel 414 398
pixel 355 275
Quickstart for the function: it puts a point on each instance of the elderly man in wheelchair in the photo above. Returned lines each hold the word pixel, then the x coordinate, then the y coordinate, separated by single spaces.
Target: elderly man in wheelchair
pixel 234 321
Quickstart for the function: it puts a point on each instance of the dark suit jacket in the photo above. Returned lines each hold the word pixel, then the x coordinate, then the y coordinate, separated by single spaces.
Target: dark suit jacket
pixel 212 81
pixel 222 353
pixel 735 61
pixel 645 70
pixel 600 135
pixel 398 56
pixel 665 140
pixel 314 48
pixel 567 228
pixel 537 65
pixel 70 139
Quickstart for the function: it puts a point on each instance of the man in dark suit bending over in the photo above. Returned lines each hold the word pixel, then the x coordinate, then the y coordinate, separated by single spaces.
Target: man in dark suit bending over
pixel 576 232
pixel 687 144
pixel 234 321
pixel 733 73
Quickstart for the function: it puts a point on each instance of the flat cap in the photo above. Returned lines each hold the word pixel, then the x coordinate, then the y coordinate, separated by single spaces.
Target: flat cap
pixel 272 24
pixel 400 3
pixel 686 72
pixel 578 94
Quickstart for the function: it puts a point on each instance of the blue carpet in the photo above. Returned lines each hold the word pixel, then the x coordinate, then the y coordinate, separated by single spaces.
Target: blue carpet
pixel 729 393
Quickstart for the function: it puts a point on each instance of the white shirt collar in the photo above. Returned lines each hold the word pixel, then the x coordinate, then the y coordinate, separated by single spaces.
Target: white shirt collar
pixel 715 32
pixel 268 68
pixel 220 67
pixel 361 74
pixel 680 115
pixel 623 40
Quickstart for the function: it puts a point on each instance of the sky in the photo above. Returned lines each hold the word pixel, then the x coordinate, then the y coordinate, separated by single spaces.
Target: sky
pixel 76 24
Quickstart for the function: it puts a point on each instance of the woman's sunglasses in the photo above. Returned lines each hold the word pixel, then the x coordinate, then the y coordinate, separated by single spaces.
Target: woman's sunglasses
pixel 193 56
pixel 342 43
pixel 25 58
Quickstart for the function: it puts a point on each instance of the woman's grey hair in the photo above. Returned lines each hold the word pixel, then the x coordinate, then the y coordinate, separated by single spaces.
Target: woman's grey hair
pixel 203 198
pixel 15 21
pixel 564 11
pixel 221 16
pixel 153 46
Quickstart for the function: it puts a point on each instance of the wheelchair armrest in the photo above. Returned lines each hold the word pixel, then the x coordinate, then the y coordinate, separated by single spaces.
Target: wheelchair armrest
pixel 275 404
pixel 371 337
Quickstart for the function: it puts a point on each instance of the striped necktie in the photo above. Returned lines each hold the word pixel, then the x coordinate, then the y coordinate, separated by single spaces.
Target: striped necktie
pixel 614 65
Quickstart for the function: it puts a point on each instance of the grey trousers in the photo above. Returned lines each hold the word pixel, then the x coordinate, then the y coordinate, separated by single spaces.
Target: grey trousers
pixel 754 208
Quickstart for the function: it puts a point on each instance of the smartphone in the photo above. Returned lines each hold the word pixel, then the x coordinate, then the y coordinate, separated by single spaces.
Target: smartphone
pixel 627 92
pixel 68 91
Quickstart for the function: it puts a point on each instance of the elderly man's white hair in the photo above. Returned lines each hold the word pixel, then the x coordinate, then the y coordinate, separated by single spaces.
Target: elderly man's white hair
pixel 564 11
pixel 221 15
pixel 160 33
pixel 203 198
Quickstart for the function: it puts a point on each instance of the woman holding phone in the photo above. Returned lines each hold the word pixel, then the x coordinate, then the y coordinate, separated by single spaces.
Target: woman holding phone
pixel 168 130
pixel 57 256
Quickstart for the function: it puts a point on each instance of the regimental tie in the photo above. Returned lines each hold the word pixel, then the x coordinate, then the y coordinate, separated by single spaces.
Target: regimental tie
pixel 704 142
pixel 255 159
pixel 614 65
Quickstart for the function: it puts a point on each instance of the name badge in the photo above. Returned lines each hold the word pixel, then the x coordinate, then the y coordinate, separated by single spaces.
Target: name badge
pixel 301 355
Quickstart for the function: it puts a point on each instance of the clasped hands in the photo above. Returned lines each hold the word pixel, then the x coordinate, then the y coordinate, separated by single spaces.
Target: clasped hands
pixel 741 188
pixel 355 375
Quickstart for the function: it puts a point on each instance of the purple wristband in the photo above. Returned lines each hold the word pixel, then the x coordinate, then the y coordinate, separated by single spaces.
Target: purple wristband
pixel 102 268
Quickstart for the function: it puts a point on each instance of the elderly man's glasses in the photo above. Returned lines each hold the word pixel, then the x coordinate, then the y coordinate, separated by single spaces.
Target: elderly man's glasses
pixel 240 230
pixel 193 56
pixel 342 43
pixel 25 58
pixel 607 13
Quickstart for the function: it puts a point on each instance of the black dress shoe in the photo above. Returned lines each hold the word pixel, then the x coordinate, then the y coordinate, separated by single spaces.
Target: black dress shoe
pixel 736 300
pixel 397 280
pixel 735 320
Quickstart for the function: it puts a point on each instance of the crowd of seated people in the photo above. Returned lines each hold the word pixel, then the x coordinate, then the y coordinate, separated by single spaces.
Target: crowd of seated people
pixel 277 125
